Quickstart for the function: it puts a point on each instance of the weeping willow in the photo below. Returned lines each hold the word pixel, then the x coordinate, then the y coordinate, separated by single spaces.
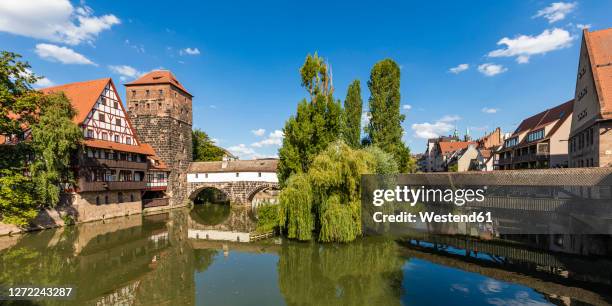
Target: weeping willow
pixel 325 203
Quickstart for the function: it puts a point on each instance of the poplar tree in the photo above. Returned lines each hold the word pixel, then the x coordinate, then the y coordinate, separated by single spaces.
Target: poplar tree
pixel 352 111
pixel 384 129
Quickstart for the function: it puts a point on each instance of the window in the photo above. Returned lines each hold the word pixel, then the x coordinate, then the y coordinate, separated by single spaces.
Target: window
pixel 105 199
pixel 104 136
pixel 90 133
pixel 103 101
pixel 237 174
pixel 161 92
pixel 101 118
pixel 116 105
pixel 512 142
pixel 97 200
pixel 147 93
pixel 537 135
pixel 134 95
pixel 259 174
pixel 120 197
pixel 128 140
pixel 116 138
pixel 118 121
pixel 131 197
pixel 196 175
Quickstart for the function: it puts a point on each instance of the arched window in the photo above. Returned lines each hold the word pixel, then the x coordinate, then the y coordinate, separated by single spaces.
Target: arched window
pixel 106 199
pixel 97 200
pixel 120 197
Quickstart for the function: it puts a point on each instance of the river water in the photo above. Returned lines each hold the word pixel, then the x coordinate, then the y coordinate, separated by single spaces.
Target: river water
pixel 166 259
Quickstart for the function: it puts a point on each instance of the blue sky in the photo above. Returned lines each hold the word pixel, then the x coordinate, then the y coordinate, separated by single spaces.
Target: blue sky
pixel 240 59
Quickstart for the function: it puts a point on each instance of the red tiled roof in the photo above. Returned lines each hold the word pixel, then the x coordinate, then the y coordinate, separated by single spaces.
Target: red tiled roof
pixel 546 117
pixel 145 149
pixel 82 95
pixel 452 146
pixel 599 46
pixel 158 77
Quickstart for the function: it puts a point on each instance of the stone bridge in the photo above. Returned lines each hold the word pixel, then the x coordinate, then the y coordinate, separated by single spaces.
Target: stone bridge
pixel 240 180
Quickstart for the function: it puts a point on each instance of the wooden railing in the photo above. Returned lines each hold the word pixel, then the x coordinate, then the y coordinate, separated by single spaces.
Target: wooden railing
pixel 111 163
pixel 102 186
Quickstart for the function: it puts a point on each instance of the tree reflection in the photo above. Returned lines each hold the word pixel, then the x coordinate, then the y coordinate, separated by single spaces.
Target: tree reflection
pixel 364 272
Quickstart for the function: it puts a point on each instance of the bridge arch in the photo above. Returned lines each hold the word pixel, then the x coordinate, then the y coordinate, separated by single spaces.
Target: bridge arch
pixel 239 192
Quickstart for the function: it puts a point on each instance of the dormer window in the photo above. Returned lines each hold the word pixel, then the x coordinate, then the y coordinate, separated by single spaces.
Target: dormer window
pixel 536 135
pixel 511 142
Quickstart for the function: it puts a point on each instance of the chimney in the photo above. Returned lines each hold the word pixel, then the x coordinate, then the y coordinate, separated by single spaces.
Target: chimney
pixel 224 162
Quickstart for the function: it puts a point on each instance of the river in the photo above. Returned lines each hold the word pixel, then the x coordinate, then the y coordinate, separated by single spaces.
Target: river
pixel 166 259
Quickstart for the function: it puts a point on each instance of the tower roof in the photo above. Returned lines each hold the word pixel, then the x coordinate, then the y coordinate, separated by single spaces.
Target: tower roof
pixel 158 77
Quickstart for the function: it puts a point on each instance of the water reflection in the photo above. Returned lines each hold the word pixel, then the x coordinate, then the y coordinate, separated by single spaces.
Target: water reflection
pixel 152 260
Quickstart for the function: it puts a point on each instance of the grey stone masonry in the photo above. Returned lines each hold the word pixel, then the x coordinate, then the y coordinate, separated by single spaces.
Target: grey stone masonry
pixel 162 116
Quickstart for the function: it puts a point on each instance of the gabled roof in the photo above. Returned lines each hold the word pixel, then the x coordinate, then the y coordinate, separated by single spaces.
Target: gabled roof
pixel 556 115
pixel 142 148
pixel 82 95
pixel 599 47
pixel 452 146
pixel 158 77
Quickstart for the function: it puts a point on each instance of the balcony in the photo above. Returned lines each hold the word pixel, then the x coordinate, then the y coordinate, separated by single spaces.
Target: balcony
pixel 111 163
pixel 105 186
pixel 156 186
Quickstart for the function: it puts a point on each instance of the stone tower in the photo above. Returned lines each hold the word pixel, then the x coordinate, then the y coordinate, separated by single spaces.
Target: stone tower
pixel 160 110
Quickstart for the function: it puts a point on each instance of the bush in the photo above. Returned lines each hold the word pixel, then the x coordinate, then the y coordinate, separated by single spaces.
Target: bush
pixel 267 218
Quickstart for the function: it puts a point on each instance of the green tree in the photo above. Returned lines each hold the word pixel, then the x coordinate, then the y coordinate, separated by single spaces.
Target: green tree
pixel 352 111
pixel 47 139
pixel 55 138
pixel 385 130
pixel 316 124
pixel 204 148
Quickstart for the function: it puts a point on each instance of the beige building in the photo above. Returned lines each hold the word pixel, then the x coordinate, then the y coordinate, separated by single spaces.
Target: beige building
pixel 590 143
pixel 540 141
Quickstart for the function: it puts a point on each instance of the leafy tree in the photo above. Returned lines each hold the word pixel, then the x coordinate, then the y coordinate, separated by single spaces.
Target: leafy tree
pixel 316 124
pixel 55 138
pixel 204 148
pixel 324 203
pixel 47 138
pixel 384 129
pixel 352 110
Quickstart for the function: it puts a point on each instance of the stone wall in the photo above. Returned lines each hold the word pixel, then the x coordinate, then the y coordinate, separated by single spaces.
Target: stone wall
pixel 238 192
pixel 162 116
pixel 85 208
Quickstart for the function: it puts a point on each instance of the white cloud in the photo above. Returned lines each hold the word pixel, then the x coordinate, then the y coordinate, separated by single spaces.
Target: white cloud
pixel 556 11
pixel 488 110
pixel 524 46
pixel 258 132
pixel 213 106
pixel 126 72
pixel 581 26
pixel 53 20
pixel 242 150
pixel 190 51
pixel 365 118
pixel 460 68
pixel 44 82
pixel 490 69
pixel 440 127
pixel 61 54
pixel 274 139
pixel 406 107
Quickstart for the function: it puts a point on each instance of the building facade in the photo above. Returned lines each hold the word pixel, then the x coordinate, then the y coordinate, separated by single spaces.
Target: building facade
pixel 113 166
pixel 161 111
pixel 590 143
pixel 540 141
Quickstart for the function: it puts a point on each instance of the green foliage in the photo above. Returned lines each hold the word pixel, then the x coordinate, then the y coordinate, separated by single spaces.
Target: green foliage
pixel 316 124
pixel 267 217
pixel 453 168
pixel 352 109
pixel 204 148
pixel 17 203
pixel 384 129
pixel 46 155
pixel 295 213
pixel 326 199
pixel 55 138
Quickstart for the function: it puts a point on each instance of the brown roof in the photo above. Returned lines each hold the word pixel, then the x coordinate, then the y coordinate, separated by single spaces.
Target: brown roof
pixel 157 163
pixel 599 46
pixel 452 146
pixel 145 149
pixel 546 117
pixel 158 77
pixel 486 153
pixel 256 165
pixel 82 95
